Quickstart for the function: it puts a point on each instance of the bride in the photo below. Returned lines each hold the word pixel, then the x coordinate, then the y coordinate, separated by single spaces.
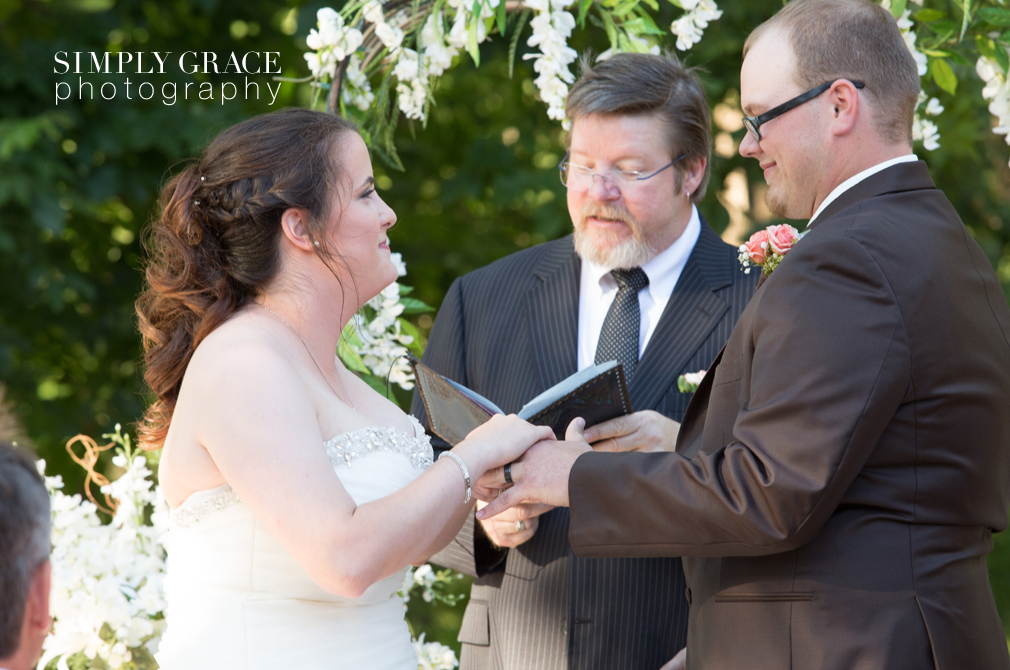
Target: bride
pixel 298 494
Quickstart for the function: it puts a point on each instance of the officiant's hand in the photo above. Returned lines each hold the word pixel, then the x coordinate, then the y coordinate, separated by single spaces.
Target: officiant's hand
pixel 641 431
pixel 516 526
pixel 540 476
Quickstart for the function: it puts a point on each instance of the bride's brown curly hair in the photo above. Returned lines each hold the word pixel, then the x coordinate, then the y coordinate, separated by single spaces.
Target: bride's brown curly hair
pixel 215 243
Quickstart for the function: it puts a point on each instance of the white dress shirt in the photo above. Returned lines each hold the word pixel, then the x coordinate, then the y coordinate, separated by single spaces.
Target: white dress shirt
pixel 597 289
pixel 852 181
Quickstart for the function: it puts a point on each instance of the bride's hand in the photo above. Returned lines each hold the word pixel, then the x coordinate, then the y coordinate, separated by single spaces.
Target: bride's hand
pixel 501 440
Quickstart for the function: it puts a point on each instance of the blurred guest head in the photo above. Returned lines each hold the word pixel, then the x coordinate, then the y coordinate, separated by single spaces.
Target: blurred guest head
pixel 638 156
pixel 24 560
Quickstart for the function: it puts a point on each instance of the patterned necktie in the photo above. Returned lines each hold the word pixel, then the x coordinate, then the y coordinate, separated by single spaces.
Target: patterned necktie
pixel 619 336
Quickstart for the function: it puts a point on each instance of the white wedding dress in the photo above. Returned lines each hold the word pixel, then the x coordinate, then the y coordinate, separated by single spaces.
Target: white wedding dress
pixel 238 600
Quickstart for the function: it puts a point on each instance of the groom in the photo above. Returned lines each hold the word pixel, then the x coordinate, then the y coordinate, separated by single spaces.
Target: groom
pixel 851 444
pixel 519 326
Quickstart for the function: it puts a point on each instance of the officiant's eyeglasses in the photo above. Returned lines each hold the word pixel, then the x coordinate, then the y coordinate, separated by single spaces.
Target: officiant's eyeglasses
pixel 753 123
pixel 580 178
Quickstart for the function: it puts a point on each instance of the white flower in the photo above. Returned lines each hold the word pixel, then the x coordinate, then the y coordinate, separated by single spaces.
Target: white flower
pixel 997 92
pixel 401 267
pixel 934 108
pixel 390 36
pixel 551 30
pixel 357 91
pixel 688 34
pixel 434 655
pixel 411 98
pixel 373 13
pixel 408 66
pixel 107 575
pixel 906 25
pixel 694 377
pixel 925 130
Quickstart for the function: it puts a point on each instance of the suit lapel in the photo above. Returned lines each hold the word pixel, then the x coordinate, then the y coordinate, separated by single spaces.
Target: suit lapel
pixel 690 315
pixel 911 176
pixel 552 309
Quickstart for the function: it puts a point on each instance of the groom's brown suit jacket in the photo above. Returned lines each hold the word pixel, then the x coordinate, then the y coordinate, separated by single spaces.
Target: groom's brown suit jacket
pixel 846 460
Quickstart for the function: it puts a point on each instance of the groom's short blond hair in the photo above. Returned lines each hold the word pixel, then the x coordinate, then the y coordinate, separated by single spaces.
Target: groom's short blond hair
pixel 856 40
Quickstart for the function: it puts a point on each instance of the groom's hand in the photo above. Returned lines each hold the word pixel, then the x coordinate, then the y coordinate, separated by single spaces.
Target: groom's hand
pixel 641 431
pixel 540 476
pixel 515 526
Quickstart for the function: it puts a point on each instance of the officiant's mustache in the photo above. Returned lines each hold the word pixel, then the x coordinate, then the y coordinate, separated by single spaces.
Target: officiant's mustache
pixel 606 212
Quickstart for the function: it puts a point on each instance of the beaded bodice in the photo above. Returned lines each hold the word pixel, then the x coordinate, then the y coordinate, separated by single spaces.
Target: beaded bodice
pixel 342 451
pixel 344 448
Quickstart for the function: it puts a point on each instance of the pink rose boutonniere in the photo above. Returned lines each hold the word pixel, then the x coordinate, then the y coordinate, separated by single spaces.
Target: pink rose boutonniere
pixel 766 248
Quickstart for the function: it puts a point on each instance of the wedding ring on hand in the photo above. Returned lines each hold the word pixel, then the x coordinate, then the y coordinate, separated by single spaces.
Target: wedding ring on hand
pixel 520 526
pixel 508 475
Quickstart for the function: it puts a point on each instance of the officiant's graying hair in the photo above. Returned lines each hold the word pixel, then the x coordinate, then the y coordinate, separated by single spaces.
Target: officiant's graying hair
pixel 858 41
pixel 215 244
pixel 639 84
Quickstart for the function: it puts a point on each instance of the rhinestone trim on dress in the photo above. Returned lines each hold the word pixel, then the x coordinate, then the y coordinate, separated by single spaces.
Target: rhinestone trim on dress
pixel 184 516
pixel 343 449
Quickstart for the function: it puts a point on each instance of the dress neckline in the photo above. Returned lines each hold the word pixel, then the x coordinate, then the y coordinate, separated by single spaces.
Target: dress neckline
pixel 341 450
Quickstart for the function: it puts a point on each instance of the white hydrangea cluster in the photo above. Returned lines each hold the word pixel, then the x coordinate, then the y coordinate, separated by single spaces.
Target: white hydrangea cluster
pixel 413 70
pixel 923 129
pixel 427 580
pixel 690 26
pixel 997 92
pixel 434 655
pixel 552 26
pixel 107 586
pixel 383 344
pixel 331 42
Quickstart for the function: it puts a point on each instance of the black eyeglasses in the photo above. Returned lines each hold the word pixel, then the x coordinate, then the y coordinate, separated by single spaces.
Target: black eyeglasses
pixel 753 123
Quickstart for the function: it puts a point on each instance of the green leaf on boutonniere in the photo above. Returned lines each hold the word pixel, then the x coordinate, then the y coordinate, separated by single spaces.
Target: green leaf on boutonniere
pixel 686 386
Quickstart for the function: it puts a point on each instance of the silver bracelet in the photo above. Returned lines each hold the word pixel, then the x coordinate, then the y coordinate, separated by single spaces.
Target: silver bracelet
pixel 466 473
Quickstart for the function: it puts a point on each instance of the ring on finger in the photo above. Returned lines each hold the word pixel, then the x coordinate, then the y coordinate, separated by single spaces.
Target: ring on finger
pixel 508 474
pixel 520 526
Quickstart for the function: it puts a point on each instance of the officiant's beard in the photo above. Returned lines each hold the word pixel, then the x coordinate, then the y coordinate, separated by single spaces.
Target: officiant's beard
pixel 606 248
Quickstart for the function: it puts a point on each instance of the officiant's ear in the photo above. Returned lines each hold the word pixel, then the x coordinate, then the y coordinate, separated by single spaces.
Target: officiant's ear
pixel 296 230
pixel 694 172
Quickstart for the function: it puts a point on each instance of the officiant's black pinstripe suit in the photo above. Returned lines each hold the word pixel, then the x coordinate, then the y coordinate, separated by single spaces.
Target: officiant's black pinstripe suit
pixel 509 331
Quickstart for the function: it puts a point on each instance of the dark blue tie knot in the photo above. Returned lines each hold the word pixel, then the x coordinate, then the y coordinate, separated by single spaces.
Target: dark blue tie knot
pixel 633 278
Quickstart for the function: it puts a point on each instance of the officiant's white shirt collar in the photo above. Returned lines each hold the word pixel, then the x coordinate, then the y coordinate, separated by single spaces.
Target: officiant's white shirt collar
pixel 597 290
pixel 852 181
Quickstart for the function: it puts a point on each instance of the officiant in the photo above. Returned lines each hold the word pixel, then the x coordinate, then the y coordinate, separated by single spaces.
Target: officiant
pixel 643 280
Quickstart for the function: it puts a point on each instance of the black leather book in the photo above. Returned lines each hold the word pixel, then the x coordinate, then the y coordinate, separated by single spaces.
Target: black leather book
pixel 597 394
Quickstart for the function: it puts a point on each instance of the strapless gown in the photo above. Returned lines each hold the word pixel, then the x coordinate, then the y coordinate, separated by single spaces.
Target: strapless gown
pixel 238 600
